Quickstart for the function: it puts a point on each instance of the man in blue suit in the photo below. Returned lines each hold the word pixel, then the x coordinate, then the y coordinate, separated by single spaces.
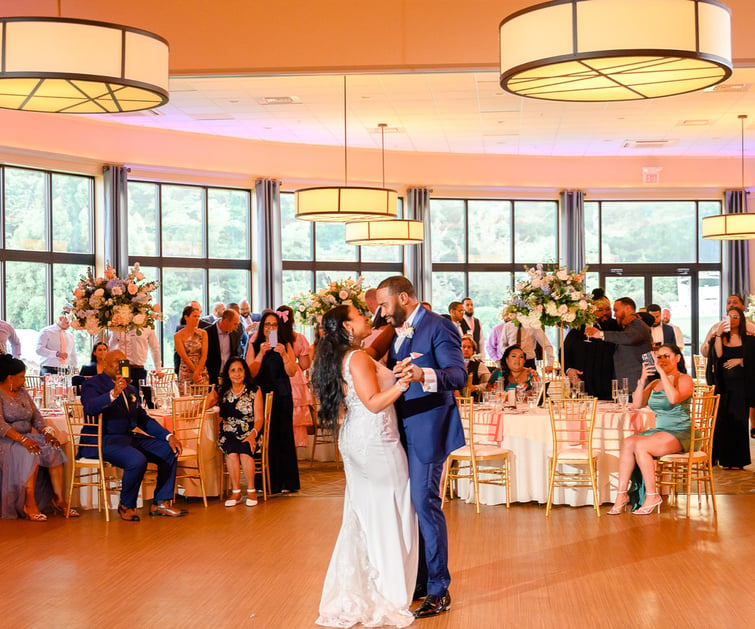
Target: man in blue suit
pixel 110 394
pixel 429 347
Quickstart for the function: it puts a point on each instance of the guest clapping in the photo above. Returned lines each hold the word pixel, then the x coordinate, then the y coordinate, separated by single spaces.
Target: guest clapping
pixel 669 397
pixel 26 444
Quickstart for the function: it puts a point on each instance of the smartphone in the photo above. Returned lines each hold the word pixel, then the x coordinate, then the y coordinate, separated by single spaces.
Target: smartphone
pixel 124 368
pixel 272 338
pixel 647 358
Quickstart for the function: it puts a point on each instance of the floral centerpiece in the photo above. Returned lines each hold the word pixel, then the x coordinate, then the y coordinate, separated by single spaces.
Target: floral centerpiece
pixel 551 298
pixel 750 313
pixel 112 303
pixel 311 306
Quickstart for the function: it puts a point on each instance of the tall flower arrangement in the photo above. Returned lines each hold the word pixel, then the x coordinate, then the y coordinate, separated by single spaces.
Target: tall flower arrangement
pixel 554 297
pixel 112 303
pixel 311 306
pixel 750 313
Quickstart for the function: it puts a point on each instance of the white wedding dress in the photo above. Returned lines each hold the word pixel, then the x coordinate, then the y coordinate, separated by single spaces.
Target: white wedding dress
pixel 372 572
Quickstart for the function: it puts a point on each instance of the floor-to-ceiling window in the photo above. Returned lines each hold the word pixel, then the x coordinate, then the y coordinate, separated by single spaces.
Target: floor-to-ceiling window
pixel 195 240
pixel 652 251
pixel 481 246
pixel 47 242
pixel 314 253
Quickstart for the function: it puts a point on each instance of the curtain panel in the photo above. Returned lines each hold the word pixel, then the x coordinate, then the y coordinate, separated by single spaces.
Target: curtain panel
pixel 115 184
pixel 267 195
pixel 735 257
pixel 419 261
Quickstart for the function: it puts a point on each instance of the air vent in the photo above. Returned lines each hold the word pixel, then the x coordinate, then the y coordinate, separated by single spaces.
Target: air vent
pixel 693 123
pixel 387 130
pixel 218 116
pixel 729 87
pixel 279 100
pixel 648 144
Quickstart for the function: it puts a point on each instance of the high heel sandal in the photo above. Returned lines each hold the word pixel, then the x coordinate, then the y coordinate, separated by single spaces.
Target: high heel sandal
pixel 251 497
pixel 647 509
pixel 619 507
pixel 61 508
pixel 232 502
pixel 35 517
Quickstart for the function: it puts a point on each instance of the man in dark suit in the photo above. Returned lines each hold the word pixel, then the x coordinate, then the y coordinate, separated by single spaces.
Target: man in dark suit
pixel 223 342
pixel 110 394
pixel 429 347
pixel 663 332
pixel 471 325
pixel 631 342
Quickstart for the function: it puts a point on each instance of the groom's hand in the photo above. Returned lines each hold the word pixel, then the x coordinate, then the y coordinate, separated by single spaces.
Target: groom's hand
pixel 410 370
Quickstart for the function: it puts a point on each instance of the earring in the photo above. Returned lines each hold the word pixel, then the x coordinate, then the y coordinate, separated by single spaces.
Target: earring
pixel 351 338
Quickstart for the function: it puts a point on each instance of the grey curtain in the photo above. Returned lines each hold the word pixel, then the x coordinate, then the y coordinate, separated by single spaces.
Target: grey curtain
pixel 418 263
pixel 735 260
pixel 116 217
pixel 269 242
pixel 573 229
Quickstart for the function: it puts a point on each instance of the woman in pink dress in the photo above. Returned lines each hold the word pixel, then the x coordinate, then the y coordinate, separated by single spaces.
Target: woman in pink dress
pixel 299 388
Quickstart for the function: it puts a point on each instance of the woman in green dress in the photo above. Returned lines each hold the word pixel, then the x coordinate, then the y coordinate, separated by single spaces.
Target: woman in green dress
pixel 669 398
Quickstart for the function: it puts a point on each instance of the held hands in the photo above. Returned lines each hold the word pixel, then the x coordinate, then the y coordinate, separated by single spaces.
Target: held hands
pixel 197 377
pixel 406 369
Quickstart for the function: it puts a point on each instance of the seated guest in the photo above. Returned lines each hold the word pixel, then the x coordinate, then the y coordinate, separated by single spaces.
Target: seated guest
pixel 223 342
pixel 240 405
pixel 478 374
pixel 110 394
pixel 23 452
pixel 669 398
pixel 513 371
pixel 93 368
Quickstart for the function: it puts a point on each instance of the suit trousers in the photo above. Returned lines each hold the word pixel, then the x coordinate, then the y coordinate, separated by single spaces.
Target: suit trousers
pixel 433 555
pixel 132 453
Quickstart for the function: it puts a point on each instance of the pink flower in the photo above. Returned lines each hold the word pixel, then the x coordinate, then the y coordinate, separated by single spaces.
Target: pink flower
pixel 140 276
pixel 109 273
pixel 132 289
pixel 78 293
pixel 156 307
pixel 563 309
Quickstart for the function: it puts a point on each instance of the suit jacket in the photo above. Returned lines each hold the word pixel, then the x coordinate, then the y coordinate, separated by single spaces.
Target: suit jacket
pixel 213 350
pixel 118 416
pixel 430 424
pixel 593 359
pixel 631 343
pixel 87 371
pixel 476 333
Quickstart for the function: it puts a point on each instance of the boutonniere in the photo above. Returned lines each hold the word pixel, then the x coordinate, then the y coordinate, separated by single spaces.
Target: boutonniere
pixel 406 331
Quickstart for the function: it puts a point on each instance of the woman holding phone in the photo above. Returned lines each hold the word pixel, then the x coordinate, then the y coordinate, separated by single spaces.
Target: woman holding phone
pixel 731 363
pixel 272 363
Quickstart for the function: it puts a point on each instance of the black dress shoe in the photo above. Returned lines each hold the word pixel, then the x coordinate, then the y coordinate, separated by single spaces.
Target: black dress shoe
pixel 433 605
pixel 419 592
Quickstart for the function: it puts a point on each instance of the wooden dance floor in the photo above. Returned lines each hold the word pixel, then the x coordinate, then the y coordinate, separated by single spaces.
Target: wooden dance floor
pixel 263 567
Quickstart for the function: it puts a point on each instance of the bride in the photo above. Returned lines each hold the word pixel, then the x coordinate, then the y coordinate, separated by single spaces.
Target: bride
pixel 372 572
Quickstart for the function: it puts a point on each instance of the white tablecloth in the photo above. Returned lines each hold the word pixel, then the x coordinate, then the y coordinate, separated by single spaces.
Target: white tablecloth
pixel 528 436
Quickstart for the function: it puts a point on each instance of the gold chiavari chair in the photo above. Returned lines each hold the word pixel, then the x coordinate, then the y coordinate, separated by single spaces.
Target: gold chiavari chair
pixel 478 461
pixel 35 385
pixel 200 389
pixel 323 435
pixel 188 428
pixel 163 386
pixel 261 458
pixel 701 364
pixel 572 425
pixel 702 388
pixel 681 470
pixel 85 432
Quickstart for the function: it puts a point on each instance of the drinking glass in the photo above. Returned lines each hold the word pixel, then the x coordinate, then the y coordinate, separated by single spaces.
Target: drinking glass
pixel 625 385
pixel 615 391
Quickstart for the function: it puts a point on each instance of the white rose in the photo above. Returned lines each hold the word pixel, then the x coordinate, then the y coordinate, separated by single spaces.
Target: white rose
pixel 536 283
pixel 139 319
pixel 582 304
pixel 562 275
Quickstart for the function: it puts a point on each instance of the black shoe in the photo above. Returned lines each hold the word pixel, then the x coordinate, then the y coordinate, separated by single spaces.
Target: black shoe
pixel 433 605
pixel 419 592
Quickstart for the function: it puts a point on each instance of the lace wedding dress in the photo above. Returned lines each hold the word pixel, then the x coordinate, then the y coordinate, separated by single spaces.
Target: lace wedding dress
pixel 372 571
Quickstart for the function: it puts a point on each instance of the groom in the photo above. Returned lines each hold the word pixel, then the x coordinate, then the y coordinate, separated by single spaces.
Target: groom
pixel 429 347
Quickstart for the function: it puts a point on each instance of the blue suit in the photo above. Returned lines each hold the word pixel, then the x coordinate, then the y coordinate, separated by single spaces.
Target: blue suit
pixel 124 448
pixel 431 429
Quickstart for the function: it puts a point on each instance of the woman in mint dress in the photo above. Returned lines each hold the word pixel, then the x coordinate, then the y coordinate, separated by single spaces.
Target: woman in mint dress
pixel 669 398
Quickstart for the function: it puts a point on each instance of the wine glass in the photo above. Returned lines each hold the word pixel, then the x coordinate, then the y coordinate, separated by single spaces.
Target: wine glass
pixel 615 391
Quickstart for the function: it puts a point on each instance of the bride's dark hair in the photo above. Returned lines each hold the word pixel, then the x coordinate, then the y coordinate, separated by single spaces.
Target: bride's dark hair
pixel 327 378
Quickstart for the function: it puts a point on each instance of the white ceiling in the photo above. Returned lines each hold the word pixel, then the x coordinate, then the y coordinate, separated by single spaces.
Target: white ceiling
pixel 462 112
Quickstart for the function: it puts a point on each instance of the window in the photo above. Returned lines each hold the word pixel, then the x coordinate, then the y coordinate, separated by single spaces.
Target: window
pixel 480 246
pixel 196 241
pixel 47 228
pixel 315 253
pixel 653 252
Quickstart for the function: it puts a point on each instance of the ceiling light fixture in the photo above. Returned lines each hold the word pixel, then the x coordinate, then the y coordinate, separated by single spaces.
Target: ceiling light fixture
pixel 613 50
pixel 733 226
pixel 385 232
pixel 336 204
pixel 62 65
